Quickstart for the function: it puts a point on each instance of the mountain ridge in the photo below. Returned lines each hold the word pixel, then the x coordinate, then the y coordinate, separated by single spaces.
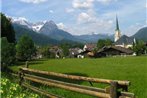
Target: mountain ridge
pixel 141 34
pixel 43 40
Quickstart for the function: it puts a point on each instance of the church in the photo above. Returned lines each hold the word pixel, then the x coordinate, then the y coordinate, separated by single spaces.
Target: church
pixel 124 40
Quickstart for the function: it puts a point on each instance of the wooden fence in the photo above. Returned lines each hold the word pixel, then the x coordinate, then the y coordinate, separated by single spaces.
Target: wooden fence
pixel 116 88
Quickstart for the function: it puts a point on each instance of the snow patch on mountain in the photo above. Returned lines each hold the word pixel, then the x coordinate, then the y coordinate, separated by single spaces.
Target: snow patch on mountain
pixel 22 21
pixel 37 26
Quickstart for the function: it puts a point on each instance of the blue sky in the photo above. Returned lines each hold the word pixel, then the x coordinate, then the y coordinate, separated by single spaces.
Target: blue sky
pixel 82 16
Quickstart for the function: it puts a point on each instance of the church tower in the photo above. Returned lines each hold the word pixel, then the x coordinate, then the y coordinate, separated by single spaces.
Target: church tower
pixel 117 31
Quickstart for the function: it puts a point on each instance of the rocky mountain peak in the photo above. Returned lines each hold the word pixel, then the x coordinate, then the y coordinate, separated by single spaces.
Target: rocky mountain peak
pixel 50 24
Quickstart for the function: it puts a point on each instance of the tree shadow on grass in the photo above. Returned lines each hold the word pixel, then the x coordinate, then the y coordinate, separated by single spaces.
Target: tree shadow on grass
pixel 35 63
pixel 40 60
pixel 20 63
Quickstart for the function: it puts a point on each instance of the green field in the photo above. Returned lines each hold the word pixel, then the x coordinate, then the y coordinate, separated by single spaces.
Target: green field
pixel 133 69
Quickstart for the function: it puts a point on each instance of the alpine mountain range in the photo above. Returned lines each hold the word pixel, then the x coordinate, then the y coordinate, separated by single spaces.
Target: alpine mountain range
pixel 47 32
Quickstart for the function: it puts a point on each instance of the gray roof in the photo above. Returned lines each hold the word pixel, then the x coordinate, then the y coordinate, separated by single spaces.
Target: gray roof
pixel 124 40
pixel 121 49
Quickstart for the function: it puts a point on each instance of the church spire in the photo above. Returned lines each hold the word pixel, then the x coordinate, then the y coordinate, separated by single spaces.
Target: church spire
pixel 117 25
pixel 117 31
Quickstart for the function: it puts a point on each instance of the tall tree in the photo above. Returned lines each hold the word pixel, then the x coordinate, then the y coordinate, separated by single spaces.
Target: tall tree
pixel 7 42
pixel 44 51
pixel 139 47
pixel 103 42
pixel 7 53
pixel 7 29
pixel 25 48
pixel 65 47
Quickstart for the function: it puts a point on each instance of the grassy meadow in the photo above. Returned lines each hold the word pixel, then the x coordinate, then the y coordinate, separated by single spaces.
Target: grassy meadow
pixel 133 69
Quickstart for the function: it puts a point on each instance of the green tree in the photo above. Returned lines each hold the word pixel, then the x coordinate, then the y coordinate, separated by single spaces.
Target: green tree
pixel 65 47
pixel 7 53
pixel 108 42
pixel 45 51
pixel 7 29
pixel 140 47
pixel 7 42
pixel 25 48
pixel 103 42
pixel 100 43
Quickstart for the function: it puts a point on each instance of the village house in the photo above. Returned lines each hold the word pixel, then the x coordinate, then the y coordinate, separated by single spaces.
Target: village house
pixel 74 52
pixel 113 51
pixel 89 47
pixel 88 50
pixel 56 51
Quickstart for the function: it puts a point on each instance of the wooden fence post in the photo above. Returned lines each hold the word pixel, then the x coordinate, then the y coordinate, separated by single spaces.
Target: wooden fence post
pixel 27 65
pixel 20 76
pixel 113 89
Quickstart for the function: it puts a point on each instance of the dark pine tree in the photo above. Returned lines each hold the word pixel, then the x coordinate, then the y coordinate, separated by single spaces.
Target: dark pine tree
pixel 7 29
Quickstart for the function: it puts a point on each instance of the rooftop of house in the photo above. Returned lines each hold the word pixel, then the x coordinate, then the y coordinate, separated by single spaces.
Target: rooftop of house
pixel 122 49
pixel 90 46
pixel 124 40
pixel 75 50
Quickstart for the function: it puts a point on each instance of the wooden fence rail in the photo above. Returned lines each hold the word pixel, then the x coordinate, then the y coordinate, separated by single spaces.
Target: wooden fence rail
pixel 116 89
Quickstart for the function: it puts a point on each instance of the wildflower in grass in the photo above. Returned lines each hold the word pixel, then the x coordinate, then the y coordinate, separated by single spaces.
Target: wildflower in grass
pixel 1 91
pixel 10 96
pixel 6 79
pixel 14 90
pixel 16 85
pixel 3 83
pixel 36 96
pixel 22 95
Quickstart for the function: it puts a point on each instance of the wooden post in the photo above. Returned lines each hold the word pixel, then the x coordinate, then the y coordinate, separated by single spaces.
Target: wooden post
pixel 113 89
pixel 27 66
pixel 73 77
pixel 20 76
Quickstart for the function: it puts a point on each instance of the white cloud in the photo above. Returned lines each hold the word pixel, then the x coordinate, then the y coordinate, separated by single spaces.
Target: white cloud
pixel 89 22
pixel 82 3
pixel 61 26
pixel 105 1
pixel 69 10
pixel 85 18
pixel 19 19
pixel 97 27
pixel 51 11
pixel 33 1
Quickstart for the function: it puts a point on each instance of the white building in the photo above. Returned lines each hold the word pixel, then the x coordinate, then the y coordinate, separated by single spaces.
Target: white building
pixel 123 41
